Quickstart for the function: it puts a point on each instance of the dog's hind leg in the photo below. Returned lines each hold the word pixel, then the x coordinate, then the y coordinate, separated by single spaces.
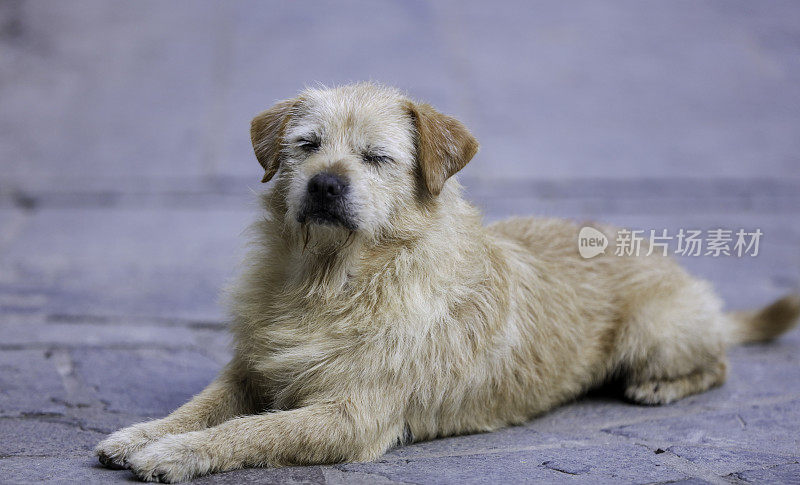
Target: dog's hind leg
pixel 672 342
pixel 663 391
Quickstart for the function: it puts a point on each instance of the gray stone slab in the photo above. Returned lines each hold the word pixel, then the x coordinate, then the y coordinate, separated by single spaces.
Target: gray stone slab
pixel 37 437
pixel 42 384
pixel 600 197
pixel 152 93
pixel 29 383
pixel 754 427
pixel 166 263
pixel 730 461
pixel 102 333
pixel 788 473
pixel 311 475
pixel 592 89
pixel 45 469
pixel 511 438
pixel 338 476
pixel 145 382
pixel 86 470
pixel 764 370
pixel 606 408
pixel 11 223
pixel 95 90
pixel 101 419
pixel 600 463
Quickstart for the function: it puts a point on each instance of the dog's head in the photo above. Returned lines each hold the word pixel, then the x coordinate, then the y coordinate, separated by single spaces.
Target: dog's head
pixel 355 158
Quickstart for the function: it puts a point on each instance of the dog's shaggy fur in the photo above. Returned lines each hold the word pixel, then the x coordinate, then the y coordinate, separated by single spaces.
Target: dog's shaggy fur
pixel 389 314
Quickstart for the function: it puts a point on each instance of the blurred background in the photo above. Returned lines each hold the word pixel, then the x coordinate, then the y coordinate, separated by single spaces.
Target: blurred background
pixel 128 177
pixel 127 180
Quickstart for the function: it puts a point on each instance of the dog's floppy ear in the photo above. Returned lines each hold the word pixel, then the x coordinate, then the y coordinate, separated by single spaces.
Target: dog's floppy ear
pixel 444 145
pixel 266 131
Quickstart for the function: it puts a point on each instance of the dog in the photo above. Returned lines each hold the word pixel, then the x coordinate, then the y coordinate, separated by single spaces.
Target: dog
pixel 377 310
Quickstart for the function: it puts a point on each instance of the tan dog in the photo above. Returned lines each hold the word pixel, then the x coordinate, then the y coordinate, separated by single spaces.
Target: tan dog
pixel 377 309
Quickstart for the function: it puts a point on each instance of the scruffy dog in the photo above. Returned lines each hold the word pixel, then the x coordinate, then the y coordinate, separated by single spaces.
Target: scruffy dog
pixel 376 309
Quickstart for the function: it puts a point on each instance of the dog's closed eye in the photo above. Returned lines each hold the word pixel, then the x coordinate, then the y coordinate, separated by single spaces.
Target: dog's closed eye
pixel 309 143
pixel 376 157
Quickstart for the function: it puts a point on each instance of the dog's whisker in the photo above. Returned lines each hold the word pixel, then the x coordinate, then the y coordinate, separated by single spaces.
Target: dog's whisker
pixel 305 230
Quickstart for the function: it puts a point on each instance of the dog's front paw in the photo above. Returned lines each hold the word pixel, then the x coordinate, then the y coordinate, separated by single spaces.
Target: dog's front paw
pixel 174 458
pixel 115 450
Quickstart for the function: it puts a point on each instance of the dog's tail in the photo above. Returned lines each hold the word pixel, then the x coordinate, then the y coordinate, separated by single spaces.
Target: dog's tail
pixel 765 323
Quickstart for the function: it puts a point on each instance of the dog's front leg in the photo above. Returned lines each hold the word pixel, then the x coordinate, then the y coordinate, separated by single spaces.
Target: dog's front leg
pixel 326 432
pixel 223 399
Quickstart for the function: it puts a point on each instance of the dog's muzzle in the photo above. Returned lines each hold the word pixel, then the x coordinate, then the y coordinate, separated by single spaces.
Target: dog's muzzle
pixel 326 201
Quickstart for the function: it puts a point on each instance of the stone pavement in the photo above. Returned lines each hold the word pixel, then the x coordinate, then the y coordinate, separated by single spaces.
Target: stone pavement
pixel 126 182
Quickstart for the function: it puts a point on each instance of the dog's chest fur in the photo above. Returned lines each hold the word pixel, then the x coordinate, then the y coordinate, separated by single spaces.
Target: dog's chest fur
pixel 375 330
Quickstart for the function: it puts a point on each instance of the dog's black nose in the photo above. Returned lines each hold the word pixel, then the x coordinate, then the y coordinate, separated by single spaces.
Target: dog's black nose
pixel 326 187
